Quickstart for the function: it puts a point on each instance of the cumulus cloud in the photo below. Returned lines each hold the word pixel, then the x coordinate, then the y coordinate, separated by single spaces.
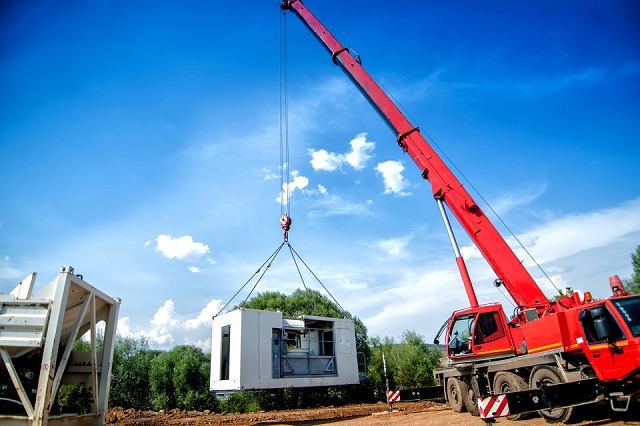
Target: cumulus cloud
pixel 394 182
pixel 204 319
pixel 324 160
pixel 183 248
pixel 470 252
pixel 163 323
pixel 356 158
pixel 298 182
pixel 169 328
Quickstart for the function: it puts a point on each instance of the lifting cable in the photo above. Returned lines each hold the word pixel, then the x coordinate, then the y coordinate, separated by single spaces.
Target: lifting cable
pixel 268 264
pixel 285 181
pixel 285 185
pixel 269 260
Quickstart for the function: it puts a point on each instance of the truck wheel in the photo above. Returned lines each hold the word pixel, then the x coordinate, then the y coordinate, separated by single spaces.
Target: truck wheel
pixel 549 375
pixel 505 382
pixel 470 398
pixel 456 389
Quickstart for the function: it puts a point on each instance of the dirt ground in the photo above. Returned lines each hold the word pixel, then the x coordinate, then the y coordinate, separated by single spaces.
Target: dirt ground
pixel 421 413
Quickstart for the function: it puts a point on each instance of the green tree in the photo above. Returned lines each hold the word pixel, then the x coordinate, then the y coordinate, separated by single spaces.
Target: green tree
pixel 632 284
pixel 410 362
pixel 72 399
pixel 130 385
pixel 179 378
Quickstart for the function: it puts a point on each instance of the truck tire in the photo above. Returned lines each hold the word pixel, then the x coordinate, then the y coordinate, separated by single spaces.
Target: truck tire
pixel 505 382
pixel 470 398
pixel 549 375
pixel 456 389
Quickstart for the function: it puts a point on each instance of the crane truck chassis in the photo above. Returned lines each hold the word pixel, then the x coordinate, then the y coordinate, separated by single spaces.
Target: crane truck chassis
pixel 550 356
pixel 588 354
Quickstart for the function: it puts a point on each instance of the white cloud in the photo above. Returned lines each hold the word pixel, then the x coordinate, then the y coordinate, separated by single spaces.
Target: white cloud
pixel 194 269
pixel 570 252
pixel 470 252
pixel 393 246
pixel 578 232
pixel 416 300
pixel 183 248
pixel 163 323
pixel 298 182
pixel 360 149
pixel 420 295
pixel 168 328
pixel 323 160
pixel 334 205
pixel 579 251
pixel 269 175
pixel 507 202
pixel 205 318
pixel 394 182
pixel 356 158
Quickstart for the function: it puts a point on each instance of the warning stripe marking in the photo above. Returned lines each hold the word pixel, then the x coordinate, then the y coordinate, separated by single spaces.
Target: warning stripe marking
pixel 393 396
pixel 493 406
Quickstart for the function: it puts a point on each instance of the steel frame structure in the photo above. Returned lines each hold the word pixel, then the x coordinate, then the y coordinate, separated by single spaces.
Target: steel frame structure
pixel 37 335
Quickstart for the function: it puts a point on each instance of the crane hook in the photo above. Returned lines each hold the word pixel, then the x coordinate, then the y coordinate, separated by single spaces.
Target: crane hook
pixel 285 224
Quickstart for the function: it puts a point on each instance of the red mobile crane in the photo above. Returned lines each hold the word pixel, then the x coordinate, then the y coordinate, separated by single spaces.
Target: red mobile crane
pixel 551 355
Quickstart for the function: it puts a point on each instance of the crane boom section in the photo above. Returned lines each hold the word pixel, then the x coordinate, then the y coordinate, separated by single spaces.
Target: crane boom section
pixel 445 186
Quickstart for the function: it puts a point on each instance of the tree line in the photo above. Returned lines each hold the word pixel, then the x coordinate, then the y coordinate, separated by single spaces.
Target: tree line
pixel 149 379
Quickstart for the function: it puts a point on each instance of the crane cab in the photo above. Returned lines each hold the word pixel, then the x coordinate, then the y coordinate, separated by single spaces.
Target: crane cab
pixel 479 332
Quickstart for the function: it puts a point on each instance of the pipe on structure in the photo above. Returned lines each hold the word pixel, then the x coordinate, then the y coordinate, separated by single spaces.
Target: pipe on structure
pixel 462 267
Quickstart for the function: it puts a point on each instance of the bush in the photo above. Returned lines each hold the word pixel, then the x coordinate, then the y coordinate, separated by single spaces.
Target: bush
pixel 72 399
pixel 180 379
pixel 241 402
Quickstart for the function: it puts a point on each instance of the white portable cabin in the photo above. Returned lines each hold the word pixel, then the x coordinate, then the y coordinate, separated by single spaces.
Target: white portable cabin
pixel 254 349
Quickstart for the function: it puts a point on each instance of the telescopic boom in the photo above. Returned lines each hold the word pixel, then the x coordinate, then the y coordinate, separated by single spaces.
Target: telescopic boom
pixel 445 186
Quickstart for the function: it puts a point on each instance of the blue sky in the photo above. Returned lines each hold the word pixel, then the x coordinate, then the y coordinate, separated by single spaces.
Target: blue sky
pixel 140 140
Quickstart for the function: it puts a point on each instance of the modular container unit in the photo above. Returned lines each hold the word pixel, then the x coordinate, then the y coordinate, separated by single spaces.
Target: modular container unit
pixel 254 349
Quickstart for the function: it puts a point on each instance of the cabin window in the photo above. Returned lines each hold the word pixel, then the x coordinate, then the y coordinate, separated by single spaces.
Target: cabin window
pixel 489 328
pixel 629 308
pixel 224 352
pixel 460 336
pixel 599 325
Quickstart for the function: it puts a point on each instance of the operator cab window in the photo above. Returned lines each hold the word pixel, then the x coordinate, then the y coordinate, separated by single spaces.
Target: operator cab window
pixel 460 337
pixel 599 326
pixel 489 328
